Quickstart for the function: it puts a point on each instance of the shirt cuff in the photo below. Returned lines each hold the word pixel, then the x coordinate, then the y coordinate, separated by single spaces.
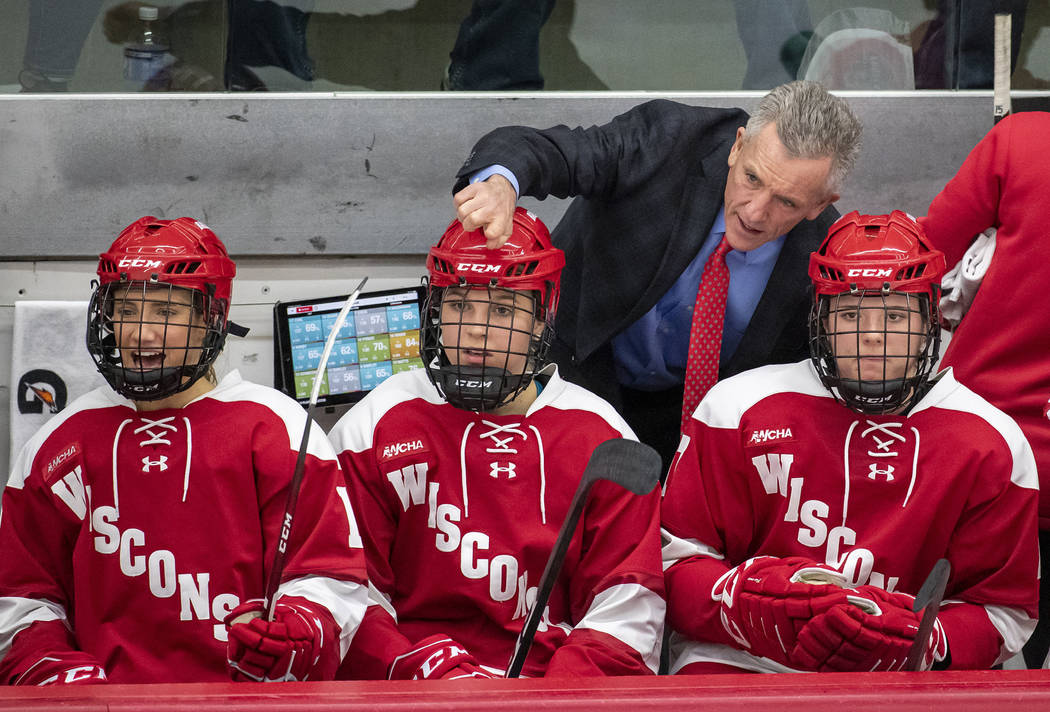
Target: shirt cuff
pixel 496 169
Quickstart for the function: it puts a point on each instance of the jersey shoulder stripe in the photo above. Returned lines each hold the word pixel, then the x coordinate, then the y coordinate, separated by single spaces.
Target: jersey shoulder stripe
pixel 562 395
pixel 234 389
pixel 950 394
pixel 356 429
pixel 726 403
pixel 101 397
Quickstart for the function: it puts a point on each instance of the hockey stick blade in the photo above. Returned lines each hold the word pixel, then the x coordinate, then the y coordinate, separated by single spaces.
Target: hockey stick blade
pixel 274 579
pixel 630 464
pixel 928 600
pixel 633 465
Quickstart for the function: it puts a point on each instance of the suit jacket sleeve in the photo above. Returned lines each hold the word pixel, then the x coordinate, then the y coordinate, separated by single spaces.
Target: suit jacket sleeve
pixel 608 161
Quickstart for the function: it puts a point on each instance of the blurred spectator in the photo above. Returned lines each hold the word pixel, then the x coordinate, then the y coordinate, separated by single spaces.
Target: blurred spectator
pixel 57 30
pixel 242 45
pixel 498 46
pixel 774 36
pixel 957 47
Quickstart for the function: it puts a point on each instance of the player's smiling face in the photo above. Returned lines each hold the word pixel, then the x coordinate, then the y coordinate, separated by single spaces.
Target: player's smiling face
pixel 156 326
pixel 488 327
pixel 768 191
pixel 876 338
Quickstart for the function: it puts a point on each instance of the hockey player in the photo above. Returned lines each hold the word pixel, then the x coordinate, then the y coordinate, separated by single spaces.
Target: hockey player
pixel 144 515
pixel 809 502
pixel 462 473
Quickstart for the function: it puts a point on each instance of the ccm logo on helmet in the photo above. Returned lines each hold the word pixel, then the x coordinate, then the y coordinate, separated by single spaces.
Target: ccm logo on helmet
pixel 476 267
pixel 473 383
pixel 138 262
pixel 869 272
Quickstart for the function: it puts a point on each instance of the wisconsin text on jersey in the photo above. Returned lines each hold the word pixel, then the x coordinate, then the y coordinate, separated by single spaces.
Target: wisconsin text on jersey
pixel 412 488
pixel 64 475
pixel 880 451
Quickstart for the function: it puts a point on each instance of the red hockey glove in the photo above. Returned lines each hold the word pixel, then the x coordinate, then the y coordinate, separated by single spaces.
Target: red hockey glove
pixel 873 632
pixel 300 643
pixel 436 657
pixel 766 601
pixel 67 668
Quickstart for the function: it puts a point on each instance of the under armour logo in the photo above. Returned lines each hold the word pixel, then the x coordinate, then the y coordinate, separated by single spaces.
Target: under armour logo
pixel 874 472
pixel 507 469
pixel 161 462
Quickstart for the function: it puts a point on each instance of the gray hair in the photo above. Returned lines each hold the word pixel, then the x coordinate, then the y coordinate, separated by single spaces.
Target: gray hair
pixel 811 123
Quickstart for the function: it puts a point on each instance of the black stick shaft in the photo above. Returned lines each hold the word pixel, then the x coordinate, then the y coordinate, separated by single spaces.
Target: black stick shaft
pixel 929 596
pixel 627 463
pixel 277 567
pixel 550 575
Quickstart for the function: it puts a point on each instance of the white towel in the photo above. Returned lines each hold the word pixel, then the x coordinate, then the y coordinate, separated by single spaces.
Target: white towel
pixel 50 365
pixel 961 282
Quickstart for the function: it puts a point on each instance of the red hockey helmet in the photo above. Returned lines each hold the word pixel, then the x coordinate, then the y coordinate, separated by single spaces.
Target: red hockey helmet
pixel 153 262
pixel 876 252
pixel 184 252
pixel 527 265
pixel 526 261
pixel 863 261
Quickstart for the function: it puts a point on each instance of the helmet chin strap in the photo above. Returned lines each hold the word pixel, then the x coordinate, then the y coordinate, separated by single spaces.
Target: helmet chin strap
pixel 876 396
pixel 153 384
pixel 478 388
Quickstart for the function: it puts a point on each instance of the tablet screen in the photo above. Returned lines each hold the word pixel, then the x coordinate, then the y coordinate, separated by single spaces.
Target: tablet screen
pixel 379 338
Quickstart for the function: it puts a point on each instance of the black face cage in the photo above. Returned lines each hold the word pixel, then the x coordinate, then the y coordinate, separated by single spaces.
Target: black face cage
pixel 177 353
pixel 875 395
pixel 470 355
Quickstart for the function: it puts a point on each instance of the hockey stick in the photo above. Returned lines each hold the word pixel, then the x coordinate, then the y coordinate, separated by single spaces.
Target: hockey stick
pixel 270 594
pixel 630 464
pixel 1001 74
pixel 928 598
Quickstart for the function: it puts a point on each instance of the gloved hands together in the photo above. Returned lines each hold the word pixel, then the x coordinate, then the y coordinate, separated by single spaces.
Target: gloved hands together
pixel 858 637
pixel 766 601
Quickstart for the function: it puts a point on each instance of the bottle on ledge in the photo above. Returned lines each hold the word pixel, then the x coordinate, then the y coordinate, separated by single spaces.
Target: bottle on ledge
pixel 145 55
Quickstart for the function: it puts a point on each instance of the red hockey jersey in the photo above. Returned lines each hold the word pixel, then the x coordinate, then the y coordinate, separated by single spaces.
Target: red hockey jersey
pixel 1001 349
pixel 771 464
pixel 140 531
pixel 459 512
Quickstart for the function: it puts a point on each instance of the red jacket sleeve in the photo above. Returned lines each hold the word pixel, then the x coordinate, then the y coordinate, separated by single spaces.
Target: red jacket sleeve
pixel 969 203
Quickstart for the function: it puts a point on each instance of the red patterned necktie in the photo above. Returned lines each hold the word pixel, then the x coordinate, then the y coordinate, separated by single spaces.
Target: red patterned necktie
pixel 705 337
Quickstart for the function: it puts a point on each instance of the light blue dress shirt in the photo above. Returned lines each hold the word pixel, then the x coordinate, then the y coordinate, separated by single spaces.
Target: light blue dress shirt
pixel 650 355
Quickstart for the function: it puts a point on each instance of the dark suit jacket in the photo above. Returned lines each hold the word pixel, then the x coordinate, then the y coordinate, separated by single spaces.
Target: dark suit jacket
pixel 648 187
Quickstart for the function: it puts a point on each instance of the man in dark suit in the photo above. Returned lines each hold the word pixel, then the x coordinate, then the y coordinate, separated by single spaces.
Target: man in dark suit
pixel 656 190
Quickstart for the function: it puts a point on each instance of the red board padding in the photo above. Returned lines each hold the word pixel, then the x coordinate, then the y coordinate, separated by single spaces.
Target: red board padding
pixel 900 692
